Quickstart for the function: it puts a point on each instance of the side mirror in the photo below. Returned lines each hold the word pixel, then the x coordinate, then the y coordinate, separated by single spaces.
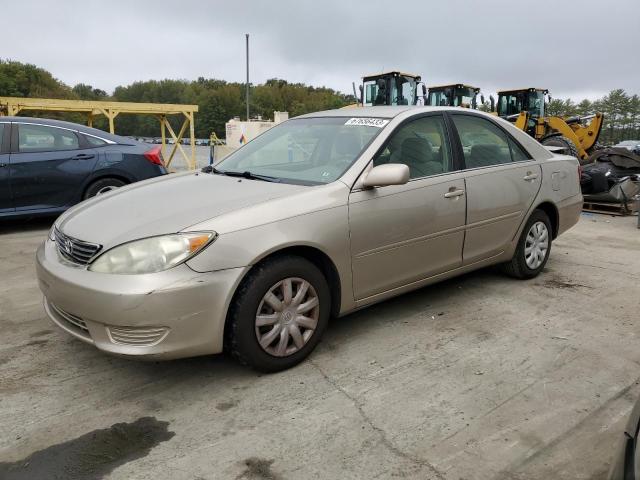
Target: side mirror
pixel 387 174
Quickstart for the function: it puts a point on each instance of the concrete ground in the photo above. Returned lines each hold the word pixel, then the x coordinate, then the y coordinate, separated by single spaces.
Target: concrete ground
pixel 479 377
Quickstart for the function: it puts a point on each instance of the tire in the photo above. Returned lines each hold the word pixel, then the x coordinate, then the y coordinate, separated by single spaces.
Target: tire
pixel 561 141
pixel 103 185
pixel 518 266
pixel 242 331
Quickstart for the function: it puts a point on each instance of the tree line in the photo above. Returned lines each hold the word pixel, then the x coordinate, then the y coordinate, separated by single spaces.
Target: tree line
pixel 621 114
pixel 219 101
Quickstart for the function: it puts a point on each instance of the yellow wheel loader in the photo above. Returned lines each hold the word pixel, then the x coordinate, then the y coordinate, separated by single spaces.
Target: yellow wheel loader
pixel 525 107
pixel 456 95
pixel 390 88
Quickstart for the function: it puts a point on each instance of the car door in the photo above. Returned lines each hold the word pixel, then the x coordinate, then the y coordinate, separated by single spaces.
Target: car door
pixel 404 233
pixel 6 203
pixel 48 166
pixel 501 180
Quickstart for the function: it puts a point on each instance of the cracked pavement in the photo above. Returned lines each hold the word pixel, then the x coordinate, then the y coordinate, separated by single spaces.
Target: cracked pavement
pixel 478 377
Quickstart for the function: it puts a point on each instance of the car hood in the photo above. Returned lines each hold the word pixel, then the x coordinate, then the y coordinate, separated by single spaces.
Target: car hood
pixel 164 205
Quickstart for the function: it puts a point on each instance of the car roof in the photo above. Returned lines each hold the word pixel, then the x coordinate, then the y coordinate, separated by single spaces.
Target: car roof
pixel 376 112
pixel 70 125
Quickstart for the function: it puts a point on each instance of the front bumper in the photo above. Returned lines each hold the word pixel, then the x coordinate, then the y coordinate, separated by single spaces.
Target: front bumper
pixel 171 314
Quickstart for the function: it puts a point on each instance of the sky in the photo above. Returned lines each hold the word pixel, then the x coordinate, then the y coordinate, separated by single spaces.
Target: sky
pixel 575 48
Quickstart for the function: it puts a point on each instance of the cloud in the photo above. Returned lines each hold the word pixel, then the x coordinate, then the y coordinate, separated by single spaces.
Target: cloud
pixel 573 48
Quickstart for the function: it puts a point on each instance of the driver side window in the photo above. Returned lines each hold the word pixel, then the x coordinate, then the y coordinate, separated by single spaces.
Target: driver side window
pixel 422 145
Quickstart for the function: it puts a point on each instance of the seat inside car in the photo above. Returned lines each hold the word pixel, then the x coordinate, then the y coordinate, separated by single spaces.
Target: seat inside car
pixel 484 155
pixel 417 153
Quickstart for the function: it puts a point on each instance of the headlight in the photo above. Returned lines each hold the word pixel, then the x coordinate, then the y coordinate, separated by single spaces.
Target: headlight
pixel 152 254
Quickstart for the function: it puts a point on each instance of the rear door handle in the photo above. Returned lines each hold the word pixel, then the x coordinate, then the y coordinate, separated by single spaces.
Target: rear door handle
pixel 82 156
pixel 530 176
pixel 454 193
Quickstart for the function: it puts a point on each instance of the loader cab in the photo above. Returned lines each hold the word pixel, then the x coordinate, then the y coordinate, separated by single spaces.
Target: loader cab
pixel 531 100
pixel 391 88
pixel 458 95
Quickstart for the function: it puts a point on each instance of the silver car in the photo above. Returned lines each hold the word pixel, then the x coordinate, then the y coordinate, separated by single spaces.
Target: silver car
pixel 319 216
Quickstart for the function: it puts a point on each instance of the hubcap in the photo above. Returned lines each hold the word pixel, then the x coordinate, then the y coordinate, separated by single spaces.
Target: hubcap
pixel 536 245
pixel 287 317
pixel 106 189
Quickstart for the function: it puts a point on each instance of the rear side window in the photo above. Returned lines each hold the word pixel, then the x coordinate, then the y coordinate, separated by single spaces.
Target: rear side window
pixel 94 141
pixel 484 144
pixel 41 138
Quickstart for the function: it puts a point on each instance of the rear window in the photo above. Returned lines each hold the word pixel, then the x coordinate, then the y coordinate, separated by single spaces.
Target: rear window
pixel 94 141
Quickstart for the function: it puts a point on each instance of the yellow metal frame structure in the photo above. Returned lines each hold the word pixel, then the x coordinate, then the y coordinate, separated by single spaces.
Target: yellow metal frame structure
pixel 11 106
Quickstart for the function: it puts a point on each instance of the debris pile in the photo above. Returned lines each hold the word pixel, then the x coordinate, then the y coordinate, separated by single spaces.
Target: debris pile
pixel 612 175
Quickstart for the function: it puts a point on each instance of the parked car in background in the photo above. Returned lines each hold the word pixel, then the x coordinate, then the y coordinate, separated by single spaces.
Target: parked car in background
pixel 46 166
pixel 319 216
pixel 626 461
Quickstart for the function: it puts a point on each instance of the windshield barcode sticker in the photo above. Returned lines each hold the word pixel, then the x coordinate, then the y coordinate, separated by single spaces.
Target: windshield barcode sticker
pixel 367 122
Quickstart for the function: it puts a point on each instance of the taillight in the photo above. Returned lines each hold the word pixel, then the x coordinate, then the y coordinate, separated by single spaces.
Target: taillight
pixel 155 156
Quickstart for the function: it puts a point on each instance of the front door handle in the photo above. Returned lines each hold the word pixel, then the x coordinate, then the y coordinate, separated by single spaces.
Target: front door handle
pixel 453 193
pixel 530 176
pixel 83 156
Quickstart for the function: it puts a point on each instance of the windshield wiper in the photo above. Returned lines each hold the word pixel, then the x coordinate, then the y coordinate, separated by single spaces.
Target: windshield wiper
pixel 248 175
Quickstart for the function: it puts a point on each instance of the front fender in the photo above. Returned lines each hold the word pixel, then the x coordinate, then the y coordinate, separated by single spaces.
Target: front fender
pixel 324 230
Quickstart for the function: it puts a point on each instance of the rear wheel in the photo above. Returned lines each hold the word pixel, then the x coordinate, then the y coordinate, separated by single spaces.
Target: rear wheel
pixel 278 314
pixel 103 185
pixel 568 147
pixel 533 248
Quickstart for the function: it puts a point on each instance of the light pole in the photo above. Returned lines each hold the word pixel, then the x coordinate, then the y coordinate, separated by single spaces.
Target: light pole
pixel 247 89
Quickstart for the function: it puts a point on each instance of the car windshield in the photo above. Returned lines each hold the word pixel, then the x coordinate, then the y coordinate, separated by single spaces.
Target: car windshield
pixel 306 151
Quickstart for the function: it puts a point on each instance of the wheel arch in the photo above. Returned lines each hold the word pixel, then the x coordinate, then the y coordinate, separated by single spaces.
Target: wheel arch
pixel 552 212
pixel 316 256
pixel 102 176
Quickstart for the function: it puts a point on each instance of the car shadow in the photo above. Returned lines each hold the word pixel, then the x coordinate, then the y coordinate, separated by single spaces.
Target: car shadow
pixel 26 224
pixel 432 299
pixel 341 333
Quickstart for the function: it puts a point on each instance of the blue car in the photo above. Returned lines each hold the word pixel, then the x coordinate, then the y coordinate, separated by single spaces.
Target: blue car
pixel 46 166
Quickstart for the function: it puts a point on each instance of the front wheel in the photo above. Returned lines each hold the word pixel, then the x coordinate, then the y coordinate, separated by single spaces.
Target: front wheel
pixel 534 247
pixel 278 314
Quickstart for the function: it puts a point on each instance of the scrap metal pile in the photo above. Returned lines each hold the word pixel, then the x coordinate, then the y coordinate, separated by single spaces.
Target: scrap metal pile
pixel 611 175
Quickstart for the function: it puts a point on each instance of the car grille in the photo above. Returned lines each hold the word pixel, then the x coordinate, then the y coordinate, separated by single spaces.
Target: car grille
pixel 75 250
pixel 74 322
pixel 137 336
